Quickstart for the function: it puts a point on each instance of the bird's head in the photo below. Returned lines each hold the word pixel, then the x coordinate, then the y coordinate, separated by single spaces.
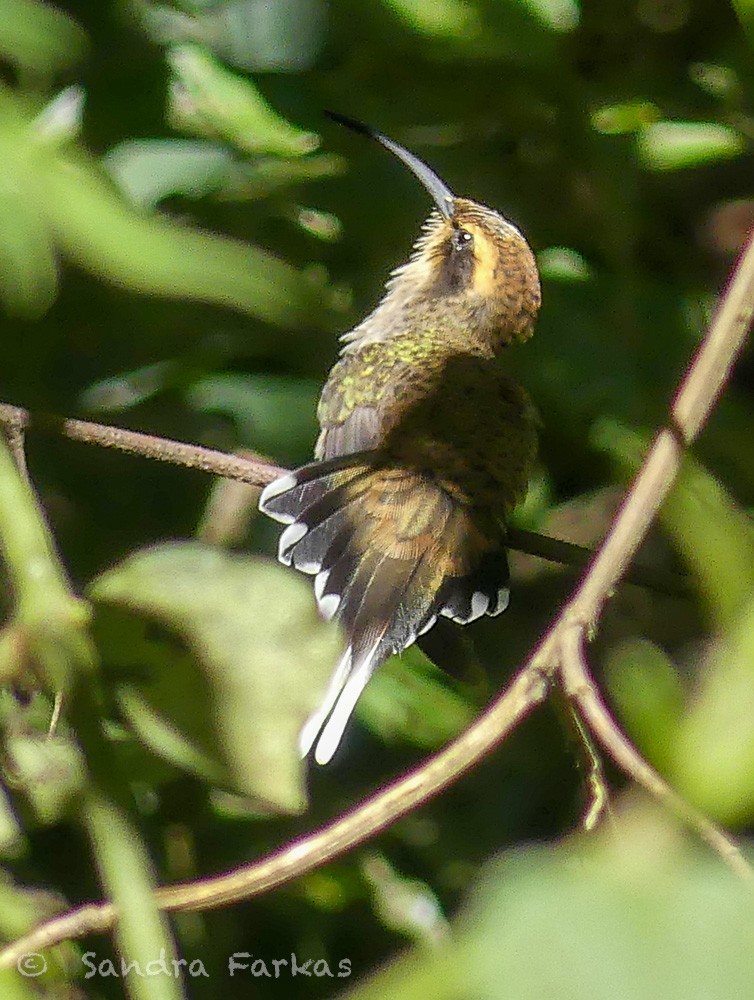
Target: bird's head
pixel 471 271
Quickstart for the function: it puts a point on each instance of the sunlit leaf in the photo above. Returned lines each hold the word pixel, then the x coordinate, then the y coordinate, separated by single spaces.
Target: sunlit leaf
pixel 714 536
pixel 231 107
pixel 628 116
pixel 451 18
pixel 38 37
pixel 558 15
pixel 562 264
pixel 155 255
pixel 714 751
pixel 61 120
pixel 635 913
pixel 671 145
pixel 256 662
pixel 409 699
pixel 148 170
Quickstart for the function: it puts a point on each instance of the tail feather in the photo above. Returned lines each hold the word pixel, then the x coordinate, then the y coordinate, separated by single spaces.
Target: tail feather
pixel 390 550
pixel 376 642
pixel 306 541
pixel 483 591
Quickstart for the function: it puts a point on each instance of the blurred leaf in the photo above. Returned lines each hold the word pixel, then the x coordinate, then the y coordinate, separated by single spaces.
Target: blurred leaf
pixel 632 915
pixel 142 930
pixel 14 987
pixel 648 694
pixel 719 81
pixel 274 414
pixel 230 107
pixel 442 18
pixel 672 145
pixel 745 11
pixel 558 15
pixel 409 700
pixel 21 909
pixel 264 177
pixel 322 225
pixel 263 658
pixel 406 905
pixel 259 35
pixel 714 536
pixel 48 770
pixel 128 389
pixel 562 264
pixel 38 37
pixel 154 255
pixel 628 116
pixel 28 266
pixel 60 121
pixel 713 754
pixel 11 834
pixel 149 170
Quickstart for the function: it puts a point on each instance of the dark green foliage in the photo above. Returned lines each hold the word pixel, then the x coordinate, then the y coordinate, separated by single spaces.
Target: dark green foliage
pixel 183 236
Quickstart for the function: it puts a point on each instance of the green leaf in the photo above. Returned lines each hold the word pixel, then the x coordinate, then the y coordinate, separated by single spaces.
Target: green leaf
pixel 260 658
pixel 273 414
pixel 629 915
pixel 669 145
pixel 711 532
pixel 149 170
pixel 142 930
pixel 28 267
pixel 745 11
pixel 557 15
pixel 157 256
pixel 49 770
pixel 13 986
pixel 624 117
pixel 38 37
pixel 562 264
pixel 647 691
pixel 210 99
pixel 713 753
pixel 409 700
pixel 440 19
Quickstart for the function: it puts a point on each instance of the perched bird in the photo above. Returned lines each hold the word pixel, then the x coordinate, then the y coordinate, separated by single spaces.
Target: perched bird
pixel 426 446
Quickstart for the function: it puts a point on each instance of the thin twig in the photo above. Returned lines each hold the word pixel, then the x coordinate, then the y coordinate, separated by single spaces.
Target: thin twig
pixel 581 689
pixel 570 554
pixel 255 471
pixel 15 433
pixel 527 690
pixel 587 758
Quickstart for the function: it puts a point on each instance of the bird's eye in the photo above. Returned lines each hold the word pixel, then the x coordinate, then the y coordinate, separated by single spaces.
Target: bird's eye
pixel 462 240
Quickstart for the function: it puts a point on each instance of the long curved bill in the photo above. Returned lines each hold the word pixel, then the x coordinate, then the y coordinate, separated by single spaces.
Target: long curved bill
pixel 441 193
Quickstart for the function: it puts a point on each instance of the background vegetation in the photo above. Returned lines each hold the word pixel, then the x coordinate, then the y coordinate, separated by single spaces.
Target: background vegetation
pixel 182 239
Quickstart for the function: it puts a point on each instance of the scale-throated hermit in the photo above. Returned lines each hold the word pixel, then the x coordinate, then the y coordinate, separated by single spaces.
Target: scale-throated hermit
pixel 426 446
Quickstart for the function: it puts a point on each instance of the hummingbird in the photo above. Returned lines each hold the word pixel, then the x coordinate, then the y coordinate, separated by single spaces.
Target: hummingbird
pixel 426 446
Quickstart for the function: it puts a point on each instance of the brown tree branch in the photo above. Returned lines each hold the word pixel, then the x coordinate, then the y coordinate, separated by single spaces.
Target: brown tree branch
pixel 528 689
pixel 580 687
pixel 559 652
pixel 255 471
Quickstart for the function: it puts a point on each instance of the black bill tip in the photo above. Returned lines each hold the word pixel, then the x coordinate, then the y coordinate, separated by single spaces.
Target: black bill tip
pixel 441 193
